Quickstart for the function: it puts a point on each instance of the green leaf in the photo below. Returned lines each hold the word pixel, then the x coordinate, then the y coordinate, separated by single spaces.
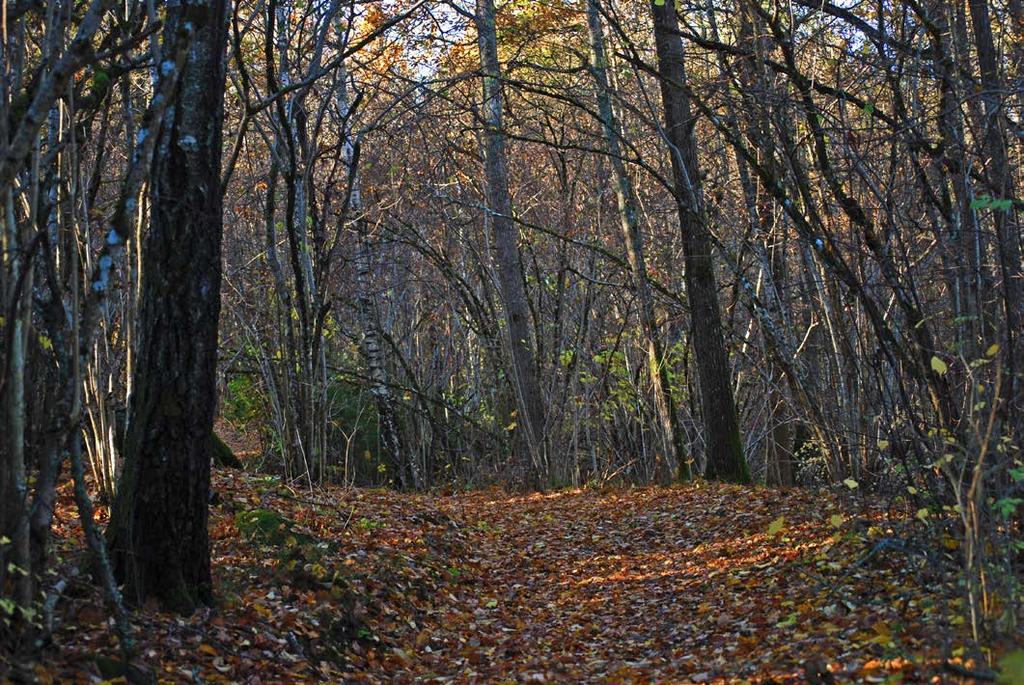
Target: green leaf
pixel 1007 505
pixel 836 520
pixel 922 514
pixel 869 108
pixel 1011 668
pixel 939 366
pixel 883 444
pixel 851 483
pixel 789 621
pixel 100 80
pixel 493 603
pixel 992 350
pixel 776 526
pixel 981 202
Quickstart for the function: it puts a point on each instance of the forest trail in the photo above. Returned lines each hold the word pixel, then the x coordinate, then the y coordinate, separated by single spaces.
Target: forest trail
pixel 694 584
pixel 699 583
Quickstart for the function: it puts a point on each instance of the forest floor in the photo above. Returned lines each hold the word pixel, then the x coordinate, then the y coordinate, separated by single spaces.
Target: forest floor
pixel 699 583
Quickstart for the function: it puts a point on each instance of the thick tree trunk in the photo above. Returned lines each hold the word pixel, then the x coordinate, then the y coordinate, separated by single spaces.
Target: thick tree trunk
pixel 531 419
pixel 725 458
pixel 626 200
pixel 158 530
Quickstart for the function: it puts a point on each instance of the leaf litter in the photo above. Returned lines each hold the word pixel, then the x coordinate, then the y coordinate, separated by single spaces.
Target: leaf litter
pixel 703 583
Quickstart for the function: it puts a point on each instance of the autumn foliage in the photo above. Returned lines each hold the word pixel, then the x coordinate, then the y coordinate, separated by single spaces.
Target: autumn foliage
pixel 701 583
pixel 550 341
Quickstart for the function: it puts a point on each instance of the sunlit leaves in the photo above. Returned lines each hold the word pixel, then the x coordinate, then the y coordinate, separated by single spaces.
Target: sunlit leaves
pixel 671 585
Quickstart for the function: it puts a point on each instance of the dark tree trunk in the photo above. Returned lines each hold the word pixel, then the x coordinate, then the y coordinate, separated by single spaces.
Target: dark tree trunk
pixel 999 175
pixel 158 531
pixel 725 458
pixel 531 417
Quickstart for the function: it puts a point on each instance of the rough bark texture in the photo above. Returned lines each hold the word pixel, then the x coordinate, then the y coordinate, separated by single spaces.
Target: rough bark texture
pixel 630 221
pixel 506 246
pixel 725 459
pixel 158 531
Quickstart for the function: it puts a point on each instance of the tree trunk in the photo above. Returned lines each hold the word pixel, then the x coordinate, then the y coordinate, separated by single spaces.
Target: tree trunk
pixel 1001 182
pixel 158 530
pixel 407 469
pixel 626 200
pixel 15 470
pixel 725 458
pixel 531 418
pixel 769 246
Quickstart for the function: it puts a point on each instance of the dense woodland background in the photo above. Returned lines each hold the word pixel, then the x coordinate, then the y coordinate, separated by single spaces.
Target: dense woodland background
pixel 546 244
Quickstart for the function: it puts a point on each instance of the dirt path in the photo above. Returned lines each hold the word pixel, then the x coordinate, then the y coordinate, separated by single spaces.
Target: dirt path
pixel 679 585
pixel 707 583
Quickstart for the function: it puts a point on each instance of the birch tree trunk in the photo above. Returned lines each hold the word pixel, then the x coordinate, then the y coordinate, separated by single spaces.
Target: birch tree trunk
pixel 408 469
